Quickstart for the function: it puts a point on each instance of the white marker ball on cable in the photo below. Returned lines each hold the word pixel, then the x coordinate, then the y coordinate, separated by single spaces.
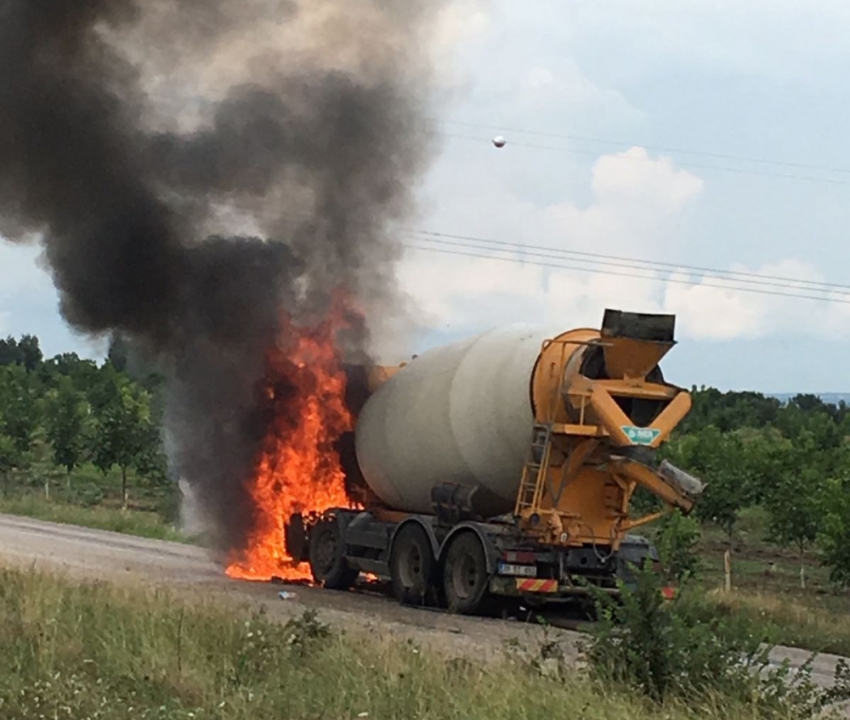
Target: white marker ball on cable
pixel 499 141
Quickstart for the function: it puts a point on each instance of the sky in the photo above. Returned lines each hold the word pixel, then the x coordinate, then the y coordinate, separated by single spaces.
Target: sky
pixel 633 131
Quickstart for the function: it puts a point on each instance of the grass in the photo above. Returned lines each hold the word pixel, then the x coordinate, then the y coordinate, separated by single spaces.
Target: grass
pixel 791 622
pixel 131 522
pixel 101 651
pixel 759 564
pixel 86 486
pixel 92 499
pixel 766 587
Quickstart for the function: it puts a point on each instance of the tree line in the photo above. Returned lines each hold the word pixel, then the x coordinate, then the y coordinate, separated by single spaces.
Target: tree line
pixel 80 410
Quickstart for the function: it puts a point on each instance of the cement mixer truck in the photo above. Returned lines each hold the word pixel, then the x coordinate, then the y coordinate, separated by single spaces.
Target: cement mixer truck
pixel 504 465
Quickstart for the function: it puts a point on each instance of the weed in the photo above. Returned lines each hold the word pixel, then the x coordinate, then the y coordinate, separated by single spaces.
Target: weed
pixel 98 651
pixel 676 539
pixel 305 633
pixel 129 522
pixel 682 649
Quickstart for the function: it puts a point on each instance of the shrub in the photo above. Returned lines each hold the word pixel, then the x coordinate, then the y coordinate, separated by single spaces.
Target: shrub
pixel 676 542
pixel 682 649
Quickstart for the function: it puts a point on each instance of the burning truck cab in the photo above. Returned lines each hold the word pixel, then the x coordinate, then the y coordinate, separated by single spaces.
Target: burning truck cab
pixel 503 465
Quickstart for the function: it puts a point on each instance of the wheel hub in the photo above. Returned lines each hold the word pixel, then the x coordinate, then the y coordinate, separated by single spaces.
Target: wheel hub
pixel 326 551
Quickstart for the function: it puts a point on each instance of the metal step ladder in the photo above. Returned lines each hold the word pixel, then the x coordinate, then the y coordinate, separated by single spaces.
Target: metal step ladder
pixel 536 468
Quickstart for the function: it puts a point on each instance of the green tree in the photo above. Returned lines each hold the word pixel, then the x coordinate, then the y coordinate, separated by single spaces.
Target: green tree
pixel 729 411
pixel 121 429
pixel 65 425
pixel 720 461
pixel 766 455
pixel 25 352
pixel 29 352
pixel 795 504
pixel 21 410
pixel 9 351
pixel 834 536
pixel 104 387
pixel 152 463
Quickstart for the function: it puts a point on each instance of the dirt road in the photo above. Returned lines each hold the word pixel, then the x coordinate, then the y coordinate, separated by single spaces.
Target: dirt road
pixel 95 554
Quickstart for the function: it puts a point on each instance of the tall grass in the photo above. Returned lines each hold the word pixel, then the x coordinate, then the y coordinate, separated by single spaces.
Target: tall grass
pixel 98 651
pixel 823 628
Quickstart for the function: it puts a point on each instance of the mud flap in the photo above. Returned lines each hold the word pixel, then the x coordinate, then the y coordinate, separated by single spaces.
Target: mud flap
pixel 296 540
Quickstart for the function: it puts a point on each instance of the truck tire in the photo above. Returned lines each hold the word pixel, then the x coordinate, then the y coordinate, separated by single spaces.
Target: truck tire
pixel 412 565
pixel 327 557
pixel 465 576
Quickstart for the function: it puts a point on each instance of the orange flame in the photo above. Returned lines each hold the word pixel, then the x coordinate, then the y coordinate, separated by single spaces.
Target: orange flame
pixel 298 469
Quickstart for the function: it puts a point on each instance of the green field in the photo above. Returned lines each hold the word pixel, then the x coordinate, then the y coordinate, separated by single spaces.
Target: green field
pixel 131 522
pixel 766 587
pixel 93 499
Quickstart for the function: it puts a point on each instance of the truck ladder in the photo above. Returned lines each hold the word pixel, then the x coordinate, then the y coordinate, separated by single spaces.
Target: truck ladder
pixel 535 470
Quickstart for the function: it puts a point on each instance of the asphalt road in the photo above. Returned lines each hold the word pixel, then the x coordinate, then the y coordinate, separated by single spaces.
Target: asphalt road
pixel 94 554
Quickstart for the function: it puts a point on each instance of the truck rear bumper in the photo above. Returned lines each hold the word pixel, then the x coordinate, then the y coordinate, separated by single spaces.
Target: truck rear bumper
pixel 547 590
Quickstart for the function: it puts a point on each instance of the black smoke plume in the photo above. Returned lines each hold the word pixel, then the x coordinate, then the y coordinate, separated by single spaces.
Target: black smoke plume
pixel 193 167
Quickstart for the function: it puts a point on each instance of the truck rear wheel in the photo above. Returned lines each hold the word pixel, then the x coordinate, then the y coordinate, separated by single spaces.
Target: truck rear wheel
pixel 412 565
pixel 327 557
pixel 465 576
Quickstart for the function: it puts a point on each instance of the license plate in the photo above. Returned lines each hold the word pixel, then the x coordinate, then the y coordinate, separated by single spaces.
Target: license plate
pixel 518 570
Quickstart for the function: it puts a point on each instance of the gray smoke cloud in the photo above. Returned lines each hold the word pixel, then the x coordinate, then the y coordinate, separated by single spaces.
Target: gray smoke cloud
pixel 192 168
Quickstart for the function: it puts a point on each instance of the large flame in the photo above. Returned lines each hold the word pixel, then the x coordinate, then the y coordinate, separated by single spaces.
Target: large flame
pixel 298 469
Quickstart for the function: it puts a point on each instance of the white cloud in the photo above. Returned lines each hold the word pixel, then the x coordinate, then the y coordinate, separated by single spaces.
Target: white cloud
pixel 634 198
pixel 638 202
pixel 472 294
pixel 561 84
pixel 635 176
pixel 715 309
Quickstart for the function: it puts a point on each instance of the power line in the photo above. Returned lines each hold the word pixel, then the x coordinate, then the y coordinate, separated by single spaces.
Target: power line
pixel 617 261
pixel 606 263
pixel 656 148
pixel 604 259
pixel 653 278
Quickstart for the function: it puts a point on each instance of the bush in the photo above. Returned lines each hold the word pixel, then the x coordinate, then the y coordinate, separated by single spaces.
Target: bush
pixel 681 649
pixel 167 504
pixel 89 496
pixel 676 543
